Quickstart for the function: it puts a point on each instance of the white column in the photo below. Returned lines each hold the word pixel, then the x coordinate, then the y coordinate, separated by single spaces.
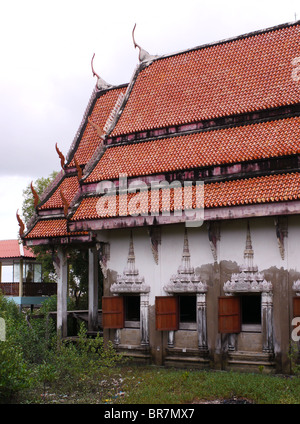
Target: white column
pixel 201 321
pixel 171 336
pixel 267 321
pixel 93 290
pixel 62 291
pixel 144 302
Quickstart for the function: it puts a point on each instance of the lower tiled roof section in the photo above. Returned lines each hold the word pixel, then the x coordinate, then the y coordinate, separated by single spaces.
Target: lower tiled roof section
pixel 47 228
pixel 69 187
pixel 207 148
pixel 263 189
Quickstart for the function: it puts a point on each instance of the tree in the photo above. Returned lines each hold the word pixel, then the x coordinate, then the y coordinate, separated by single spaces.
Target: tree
pixel 40 186
pixel 42 252
pixel 77 258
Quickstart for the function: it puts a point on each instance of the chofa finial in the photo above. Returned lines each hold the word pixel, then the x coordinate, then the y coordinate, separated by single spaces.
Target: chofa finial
pixel 65 203
pixel 21 224
pixel 35 195
pixel 144 56
pixel 101 84
pixel 61 156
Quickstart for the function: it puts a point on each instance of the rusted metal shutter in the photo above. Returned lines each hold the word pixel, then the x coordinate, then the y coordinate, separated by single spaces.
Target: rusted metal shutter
pixel 296 307
pixel 112 312
pixel 166 313
pixel 229 314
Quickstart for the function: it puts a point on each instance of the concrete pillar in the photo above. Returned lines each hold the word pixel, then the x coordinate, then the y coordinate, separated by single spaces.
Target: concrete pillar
pixel 21 279
pixel 0 272
pixel 61 267
pixel 93 290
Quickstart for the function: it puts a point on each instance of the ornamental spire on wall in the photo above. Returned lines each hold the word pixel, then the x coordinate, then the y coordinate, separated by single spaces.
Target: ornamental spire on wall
pixel 130 281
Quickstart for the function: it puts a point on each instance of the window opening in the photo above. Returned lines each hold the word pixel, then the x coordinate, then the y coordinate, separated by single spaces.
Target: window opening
pixel 251 312
pixel 132 311
pixel 187 312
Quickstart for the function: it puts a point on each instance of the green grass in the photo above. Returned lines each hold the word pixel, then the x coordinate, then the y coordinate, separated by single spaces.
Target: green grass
pixel 37 367
pixel 156 385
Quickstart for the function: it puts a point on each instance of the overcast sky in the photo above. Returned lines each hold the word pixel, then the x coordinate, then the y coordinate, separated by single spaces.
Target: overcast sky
pixel 45 74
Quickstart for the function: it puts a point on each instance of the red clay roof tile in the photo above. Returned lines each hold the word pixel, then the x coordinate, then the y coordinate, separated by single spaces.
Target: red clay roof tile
pixel 101 112
pixel 207 148
pixel 47 228
pixel 69 187
pixel 265 189
pixel 229 78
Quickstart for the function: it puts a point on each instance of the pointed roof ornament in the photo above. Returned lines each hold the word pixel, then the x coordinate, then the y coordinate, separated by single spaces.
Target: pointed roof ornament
pixel 62 158
pixel 35 195
pixel 79 170
pixel 144 56
pixel 21 224
pixel 65 203
pixel 101 84
pixel 100 132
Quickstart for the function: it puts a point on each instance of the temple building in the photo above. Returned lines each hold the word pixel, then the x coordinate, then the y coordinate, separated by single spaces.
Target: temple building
pixel 184 185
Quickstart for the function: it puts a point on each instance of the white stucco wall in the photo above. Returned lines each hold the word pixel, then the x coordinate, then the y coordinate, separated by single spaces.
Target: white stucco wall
pixel 230 247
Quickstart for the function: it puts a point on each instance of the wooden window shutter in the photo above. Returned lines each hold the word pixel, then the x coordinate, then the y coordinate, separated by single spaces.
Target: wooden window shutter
pixel 166 313
pixel 113 312
pixel 296 307
pixel 229 314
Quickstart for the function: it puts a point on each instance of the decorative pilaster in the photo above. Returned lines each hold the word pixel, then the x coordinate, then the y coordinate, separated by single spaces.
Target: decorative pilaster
pixel 117 337
pixel 144 305
pixel 267 321
pixel 201 321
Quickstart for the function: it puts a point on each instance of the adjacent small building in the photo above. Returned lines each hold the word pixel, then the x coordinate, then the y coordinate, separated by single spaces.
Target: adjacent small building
pixel 21 275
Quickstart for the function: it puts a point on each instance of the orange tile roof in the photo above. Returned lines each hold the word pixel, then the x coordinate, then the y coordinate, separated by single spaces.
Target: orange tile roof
pixel 100 113
pixel 207 148
pixel 233 77
pixel 47 228
pixel 264 189
pixel 13 249
pixel 69 187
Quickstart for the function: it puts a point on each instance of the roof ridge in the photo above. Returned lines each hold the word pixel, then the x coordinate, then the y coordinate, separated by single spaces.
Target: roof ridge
pixel 227 40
